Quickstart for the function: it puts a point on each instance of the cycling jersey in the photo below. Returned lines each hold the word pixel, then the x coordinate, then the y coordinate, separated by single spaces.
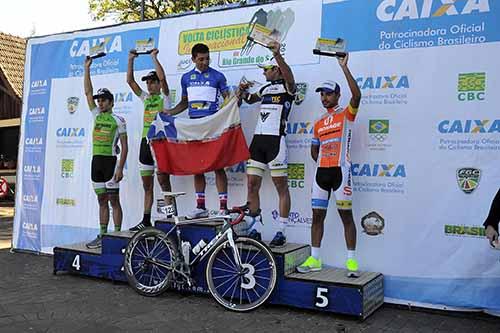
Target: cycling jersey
pixel 333 134
pixel 203 91
pixel 107 129
pixel 152 105
pixel 275 108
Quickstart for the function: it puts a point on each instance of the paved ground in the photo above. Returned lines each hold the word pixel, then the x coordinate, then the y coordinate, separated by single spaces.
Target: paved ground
pixel 32 299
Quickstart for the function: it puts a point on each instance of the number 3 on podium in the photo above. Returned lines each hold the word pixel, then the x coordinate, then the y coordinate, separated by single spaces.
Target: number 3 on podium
pixel 321 298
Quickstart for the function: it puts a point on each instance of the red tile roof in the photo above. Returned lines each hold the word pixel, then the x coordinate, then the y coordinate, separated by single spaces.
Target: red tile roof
pixel 12 52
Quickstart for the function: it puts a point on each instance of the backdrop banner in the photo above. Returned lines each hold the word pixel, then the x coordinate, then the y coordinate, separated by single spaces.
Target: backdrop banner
pixel 425 149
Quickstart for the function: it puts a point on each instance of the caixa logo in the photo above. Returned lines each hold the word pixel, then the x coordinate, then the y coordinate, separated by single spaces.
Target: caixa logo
pixel 38 84
pixel 299 128
pixel 469 126
pixel 36 111
pixel 123 97
pixel 82 47
pixel 384 82
pixel 30 226
pixel 379 170
pixel 70 132
pixel 30 198
pixel 33 141
pixel 35 169
pixel 397 10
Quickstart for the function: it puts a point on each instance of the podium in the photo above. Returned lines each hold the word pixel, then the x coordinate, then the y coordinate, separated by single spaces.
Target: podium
pixel 329 290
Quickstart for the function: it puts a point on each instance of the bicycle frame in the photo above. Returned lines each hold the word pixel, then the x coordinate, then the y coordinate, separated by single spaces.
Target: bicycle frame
pixel 226 233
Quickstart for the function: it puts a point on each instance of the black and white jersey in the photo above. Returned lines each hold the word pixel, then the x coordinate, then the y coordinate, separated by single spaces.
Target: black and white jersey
pixel 276 105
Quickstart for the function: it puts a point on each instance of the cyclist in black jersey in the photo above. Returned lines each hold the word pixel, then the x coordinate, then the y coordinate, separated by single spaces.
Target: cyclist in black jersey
pixel 268 147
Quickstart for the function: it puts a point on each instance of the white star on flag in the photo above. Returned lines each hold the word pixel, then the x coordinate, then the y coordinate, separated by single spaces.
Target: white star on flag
pixel 159 125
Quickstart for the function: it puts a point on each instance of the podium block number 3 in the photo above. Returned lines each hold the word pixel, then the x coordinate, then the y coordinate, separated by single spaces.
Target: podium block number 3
pixel 321 298
pixel 76 262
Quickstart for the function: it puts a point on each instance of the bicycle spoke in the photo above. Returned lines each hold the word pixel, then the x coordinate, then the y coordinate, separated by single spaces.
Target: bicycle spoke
pixel 263 269
pixel 166 248
pixel 257 264
pixel 234 283
pixel 255 255
pixel 139 250
pixel 241 293
pixel 225 264
pixel 262 277
pixel 222 276
pixel 223 283
pixel 234 266
pixel 224 270
pixel 232 294
pixel 248 296
pixel 147 248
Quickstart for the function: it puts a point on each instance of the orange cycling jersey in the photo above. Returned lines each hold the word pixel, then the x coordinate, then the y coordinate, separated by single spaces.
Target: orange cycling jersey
pixel 332 133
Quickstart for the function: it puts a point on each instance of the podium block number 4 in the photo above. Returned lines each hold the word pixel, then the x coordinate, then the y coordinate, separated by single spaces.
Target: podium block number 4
pixel 321 298
pixel 76 262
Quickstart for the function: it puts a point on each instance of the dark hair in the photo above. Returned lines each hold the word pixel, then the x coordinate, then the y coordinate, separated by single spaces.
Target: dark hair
pixel 199 48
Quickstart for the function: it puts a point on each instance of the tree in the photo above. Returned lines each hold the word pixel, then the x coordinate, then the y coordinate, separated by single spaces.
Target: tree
pixel 130 10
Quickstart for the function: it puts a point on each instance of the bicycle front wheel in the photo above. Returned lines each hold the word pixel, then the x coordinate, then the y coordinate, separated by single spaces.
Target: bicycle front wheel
pixel 148 259
pixel 246 287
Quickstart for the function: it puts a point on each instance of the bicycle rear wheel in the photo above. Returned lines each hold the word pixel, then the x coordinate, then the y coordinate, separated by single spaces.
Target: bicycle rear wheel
pixel 148 259
pixel 246 287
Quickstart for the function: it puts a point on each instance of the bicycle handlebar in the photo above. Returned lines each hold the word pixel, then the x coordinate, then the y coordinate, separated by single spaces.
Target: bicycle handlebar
pixel 242 211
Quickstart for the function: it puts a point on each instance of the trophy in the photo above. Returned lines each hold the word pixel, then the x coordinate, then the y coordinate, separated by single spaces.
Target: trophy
pixel 330 47
pixel 249 83
pixel 144 46
pixel 262 35
pixel 98 51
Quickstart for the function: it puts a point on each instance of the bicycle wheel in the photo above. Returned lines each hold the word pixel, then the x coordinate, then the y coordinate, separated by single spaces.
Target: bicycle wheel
pixel 246 287
pixel 148 259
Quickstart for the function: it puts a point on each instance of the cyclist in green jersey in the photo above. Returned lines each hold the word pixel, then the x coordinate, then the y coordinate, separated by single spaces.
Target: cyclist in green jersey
pixel 155 100
pixel 106 170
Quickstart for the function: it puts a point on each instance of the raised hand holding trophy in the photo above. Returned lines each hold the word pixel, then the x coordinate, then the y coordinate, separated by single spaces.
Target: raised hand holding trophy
pixel 331 47
pixel 97 51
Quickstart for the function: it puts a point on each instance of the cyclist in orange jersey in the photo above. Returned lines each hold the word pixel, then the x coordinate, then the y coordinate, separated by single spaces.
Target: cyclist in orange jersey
pixel 330 148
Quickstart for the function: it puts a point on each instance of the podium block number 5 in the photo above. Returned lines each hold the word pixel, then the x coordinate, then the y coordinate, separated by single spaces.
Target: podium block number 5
pixel 322 299
pixel 76 262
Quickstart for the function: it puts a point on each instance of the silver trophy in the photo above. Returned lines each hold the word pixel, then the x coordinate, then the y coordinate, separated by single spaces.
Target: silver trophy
pixel 331 47
pixel 263 36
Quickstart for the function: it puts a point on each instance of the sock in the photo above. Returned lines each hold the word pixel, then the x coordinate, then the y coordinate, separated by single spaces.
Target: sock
pixel 118 227
pixel 315 252
pixel 351 254
pixel 103 228
pixel 200 200
pixel 223 200
pixel 146 219
pixel 283 223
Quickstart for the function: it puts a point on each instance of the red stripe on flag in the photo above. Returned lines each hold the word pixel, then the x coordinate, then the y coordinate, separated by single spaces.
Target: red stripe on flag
pixel 197 157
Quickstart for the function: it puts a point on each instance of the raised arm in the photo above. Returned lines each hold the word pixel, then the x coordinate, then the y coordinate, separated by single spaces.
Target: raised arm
pixel 130 73
pixel 160 72
pixel 87 84
pixel 243 95
pixel 286 71
pixel 353 86
pixel 180 107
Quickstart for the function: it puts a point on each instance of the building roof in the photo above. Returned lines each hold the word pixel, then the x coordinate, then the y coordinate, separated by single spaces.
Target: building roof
pixel 12 53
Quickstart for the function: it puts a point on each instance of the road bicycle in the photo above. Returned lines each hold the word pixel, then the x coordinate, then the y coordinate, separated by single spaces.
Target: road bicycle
pixel 240 271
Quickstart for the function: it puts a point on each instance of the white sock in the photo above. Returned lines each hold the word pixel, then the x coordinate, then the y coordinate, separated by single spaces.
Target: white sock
pixel 283 222
pixel 351 254
pixel 315 252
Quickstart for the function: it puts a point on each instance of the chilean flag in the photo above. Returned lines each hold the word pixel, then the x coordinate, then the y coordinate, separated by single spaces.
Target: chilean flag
pixel 195 146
